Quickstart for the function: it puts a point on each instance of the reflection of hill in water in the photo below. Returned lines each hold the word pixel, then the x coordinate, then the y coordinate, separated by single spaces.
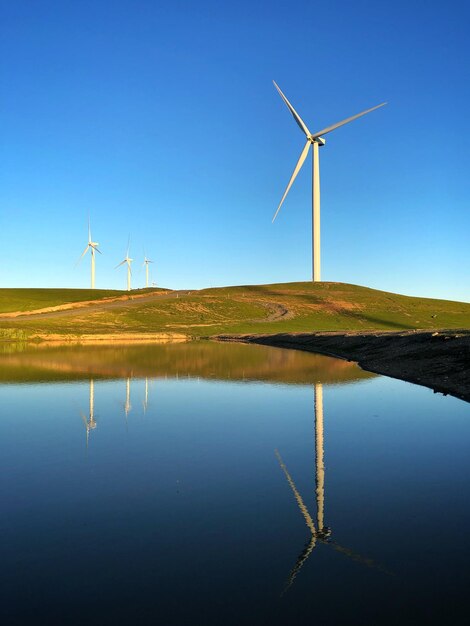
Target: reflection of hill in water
pixel 217 361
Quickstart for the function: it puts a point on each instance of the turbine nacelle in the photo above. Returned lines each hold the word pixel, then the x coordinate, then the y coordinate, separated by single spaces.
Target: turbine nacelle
pixel 126 260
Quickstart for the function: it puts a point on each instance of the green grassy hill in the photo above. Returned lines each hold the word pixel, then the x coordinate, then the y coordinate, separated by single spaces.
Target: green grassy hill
pixel 30 299
pixel 290 307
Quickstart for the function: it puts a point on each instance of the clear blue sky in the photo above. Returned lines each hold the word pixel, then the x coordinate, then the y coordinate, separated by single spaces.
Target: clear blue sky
pixel 161 121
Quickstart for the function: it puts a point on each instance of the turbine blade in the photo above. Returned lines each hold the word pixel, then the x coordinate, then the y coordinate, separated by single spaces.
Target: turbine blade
pixel 89 230
pixel 119 265
pixel 300 162
pixel 297 118
pixel 298 497
pixel 82 255
pixel 95 248
pixel 368 562
pixel 303 556
pixel 328 129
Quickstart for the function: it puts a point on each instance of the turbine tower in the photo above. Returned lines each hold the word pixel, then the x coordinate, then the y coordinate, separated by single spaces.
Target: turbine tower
pixel 93 247
pixel 146 263
pixel 314 140
pixel 129 272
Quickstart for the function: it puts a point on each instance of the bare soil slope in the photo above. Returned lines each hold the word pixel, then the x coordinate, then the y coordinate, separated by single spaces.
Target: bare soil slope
pixel 439 360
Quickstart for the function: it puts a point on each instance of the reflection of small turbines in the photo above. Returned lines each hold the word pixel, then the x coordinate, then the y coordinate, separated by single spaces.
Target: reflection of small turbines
pixel 315 141
pixel 92 246
pixel 127 404
pixel 146 264
pixel 129 272
pixel 90 423
pixel 145 401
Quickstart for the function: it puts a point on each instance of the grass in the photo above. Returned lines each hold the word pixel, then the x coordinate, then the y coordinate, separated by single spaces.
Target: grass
pixel 31 299
pixel 289 307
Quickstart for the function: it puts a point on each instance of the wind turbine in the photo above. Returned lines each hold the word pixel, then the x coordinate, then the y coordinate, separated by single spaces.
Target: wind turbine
pixel 146 263
pixel 92 246
pixel 314 140
pixel 129 272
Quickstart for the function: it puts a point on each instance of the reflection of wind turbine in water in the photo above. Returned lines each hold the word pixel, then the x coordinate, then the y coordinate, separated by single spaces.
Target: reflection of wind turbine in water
pixel 320 532
pixel 145 401
pixel 319 463
pixel 127 404
pixel 90 423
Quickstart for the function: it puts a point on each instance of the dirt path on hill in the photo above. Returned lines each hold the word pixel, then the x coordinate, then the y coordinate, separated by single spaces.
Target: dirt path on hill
pixel 275 310
pixel 92 306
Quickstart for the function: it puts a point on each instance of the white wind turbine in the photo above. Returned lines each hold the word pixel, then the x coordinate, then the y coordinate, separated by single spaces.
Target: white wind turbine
pixel 315 140
pixel 93 247
pixel 146 264
pixel 129 272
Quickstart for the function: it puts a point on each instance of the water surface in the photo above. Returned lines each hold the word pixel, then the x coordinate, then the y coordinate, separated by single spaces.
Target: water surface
pixel 227 484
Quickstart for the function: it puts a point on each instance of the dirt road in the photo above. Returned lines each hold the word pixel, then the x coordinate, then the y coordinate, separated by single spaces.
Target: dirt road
pixel 77 308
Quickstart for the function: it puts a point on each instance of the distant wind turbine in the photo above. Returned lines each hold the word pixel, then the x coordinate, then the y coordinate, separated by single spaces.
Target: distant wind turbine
pixel 92 246
pixel 129 272
pixel 146 264
pixel 315 140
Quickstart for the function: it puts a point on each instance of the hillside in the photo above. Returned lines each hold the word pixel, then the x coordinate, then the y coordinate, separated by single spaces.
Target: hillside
pixel 289 307
pixel 23 300
pixel 31 299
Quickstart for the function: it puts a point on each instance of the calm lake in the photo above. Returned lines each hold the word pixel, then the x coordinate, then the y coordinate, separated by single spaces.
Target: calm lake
pixel 221 484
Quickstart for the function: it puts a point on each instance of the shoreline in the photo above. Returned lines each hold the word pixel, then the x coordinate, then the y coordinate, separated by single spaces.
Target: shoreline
pixel 439 360
pixel 58 339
